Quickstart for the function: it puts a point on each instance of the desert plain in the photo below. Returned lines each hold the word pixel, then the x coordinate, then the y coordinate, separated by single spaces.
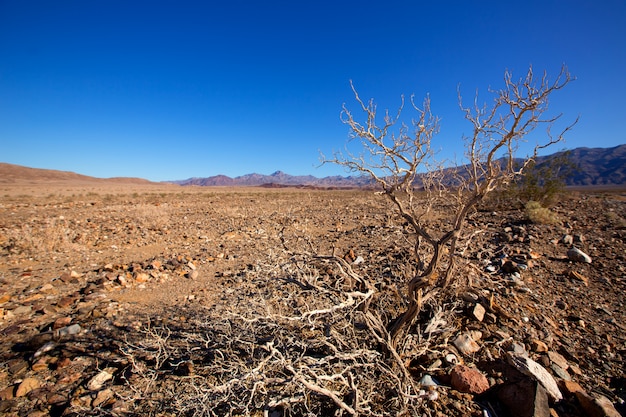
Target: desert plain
pixel 123 297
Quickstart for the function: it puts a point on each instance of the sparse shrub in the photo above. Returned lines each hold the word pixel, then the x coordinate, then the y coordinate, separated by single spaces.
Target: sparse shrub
pixel 536 213
pixel 393 155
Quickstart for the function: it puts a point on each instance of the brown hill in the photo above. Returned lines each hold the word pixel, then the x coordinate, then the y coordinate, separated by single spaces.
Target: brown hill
pixel 17 174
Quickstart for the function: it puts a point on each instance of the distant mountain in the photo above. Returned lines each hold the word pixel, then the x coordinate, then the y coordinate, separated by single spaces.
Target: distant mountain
pixel 592 166
pixel 278 178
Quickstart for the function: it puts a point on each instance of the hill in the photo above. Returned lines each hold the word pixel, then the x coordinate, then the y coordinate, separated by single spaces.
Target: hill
pixel 17 174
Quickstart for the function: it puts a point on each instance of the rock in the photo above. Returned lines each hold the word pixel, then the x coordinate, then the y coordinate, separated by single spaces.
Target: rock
pixel 538 346
pixel 531 368
pixel 524 398
pixel 451 359
pixel 103 398
pixel 558 359
pixel 594 407
pixel 510 267
pixel 17 366
pixel 8 393
pixel 479 312
pixel 466 344
pixel 468 380
pixel 560 372
pixel 579 277
pixel 97 382
pixel 74 329
pixel 61 322
pixel 142 277
pixel 26 386
pixel 567 240
pixel 22 310
pixel 193 274
pixel 576 255
pixel 428 381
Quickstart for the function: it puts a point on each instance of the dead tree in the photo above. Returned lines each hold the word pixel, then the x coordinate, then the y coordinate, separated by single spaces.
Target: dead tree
pixel 399 158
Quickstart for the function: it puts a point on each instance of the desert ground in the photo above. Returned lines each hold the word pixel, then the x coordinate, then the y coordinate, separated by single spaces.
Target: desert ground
pixel 122 298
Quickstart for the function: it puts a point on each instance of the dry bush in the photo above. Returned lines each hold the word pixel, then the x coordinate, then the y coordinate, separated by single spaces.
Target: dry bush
pixel 41 237
pixel 306 340
pixel 540 215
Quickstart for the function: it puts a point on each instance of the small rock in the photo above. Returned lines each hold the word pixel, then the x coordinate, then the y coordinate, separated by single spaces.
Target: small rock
pixel 594 407
pixel 98 381
pixel 193 274
pixel 17 366
pixel 576 255
pixel 579 277
pixel 524 398
pixel 510 267
pixel 8 393
pixel 61 322
pixel 567 240
pixel 531 368
pixel 103 398
pixel 40 365
pixel 466 344
pixel 142 277
pixel 479 312
pixel 538 346
pixel 468 380
pixel 451 359
pixel 67 331
pixel 428 381
pixel 22 310
pixel 26 386
pixel 560 372
pixel 558 359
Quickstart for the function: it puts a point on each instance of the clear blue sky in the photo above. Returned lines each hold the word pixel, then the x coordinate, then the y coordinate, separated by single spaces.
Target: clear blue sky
pixel 175 89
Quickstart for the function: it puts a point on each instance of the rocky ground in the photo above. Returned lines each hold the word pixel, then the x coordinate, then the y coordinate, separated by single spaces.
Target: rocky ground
pixel 203 301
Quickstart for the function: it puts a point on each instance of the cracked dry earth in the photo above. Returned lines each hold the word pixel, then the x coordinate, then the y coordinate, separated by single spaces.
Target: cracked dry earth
pixel 203 301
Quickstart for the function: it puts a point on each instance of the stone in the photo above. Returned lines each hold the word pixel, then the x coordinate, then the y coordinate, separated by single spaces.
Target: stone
pixel 531 368
pixel 558 359
pixel 579 277
pixel 567 240
pixel 26 386
pixel 40 365
pixel 524 398
pixel 17 366
pixel 142 277
pixel 468 380
pixel 599 406
pixel 71 330
pixel 576 255
pixel 428 381
pixel 510 267
pixel 98 381
pixel 103 398
pixel 466 344
pixel 560 372
pixel 479 312
pixel 22 310
pixel 8 393
pixel 61 322
pixel 193 274
pixel 538 346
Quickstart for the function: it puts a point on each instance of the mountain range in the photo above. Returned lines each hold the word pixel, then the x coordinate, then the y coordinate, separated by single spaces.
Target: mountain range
pixel 604 167
pixel 589 167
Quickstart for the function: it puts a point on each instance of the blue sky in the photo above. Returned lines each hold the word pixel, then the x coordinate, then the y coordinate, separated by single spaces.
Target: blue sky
pixel 170 90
